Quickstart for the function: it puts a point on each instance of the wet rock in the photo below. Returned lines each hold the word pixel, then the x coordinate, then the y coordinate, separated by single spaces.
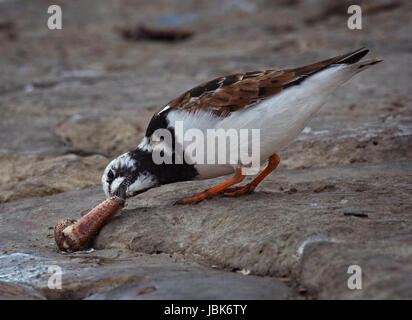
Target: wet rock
pixel 190 281
pixel 11 291
pixel 121 274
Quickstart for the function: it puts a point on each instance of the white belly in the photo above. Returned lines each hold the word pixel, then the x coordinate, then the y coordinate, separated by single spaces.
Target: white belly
pixel 279 120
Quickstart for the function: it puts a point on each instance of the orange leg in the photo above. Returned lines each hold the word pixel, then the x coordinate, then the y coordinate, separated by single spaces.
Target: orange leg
pixel 251 186
pixel 209 193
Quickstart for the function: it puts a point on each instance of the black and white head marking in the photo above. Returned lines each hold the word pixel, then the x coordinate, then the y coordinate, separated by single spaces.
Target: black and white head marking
pixel 126 176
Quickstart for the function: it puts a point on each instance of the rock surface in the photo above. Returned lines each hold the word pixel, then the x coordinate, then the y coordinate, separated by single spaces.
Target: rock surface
pixel 29 258
pixel 72 99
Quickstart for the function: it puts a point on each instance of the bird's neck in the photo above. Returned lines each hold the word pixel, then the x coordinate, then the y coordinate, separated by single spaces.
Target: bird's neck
pixel 165 173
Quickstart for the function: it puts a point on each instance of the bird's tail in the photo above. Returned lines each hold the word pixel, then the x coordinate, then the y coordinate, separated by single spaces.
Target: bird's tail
pixel 352 57
pixel 352 60
pixel 341 68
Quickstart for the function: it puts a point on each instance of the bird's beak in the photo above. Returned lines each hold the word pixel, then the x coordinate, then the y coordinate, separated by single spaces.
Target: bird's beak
pixel 121 191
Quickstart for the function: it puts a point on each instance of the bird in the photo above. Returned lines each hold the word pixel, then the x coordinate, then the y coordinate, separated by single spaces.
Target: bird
pixel 279 103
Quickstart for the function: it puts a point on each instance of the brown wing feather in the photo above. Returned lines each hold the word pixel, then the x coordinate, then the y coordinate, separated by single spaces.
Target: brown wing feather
pixel 238 91
pixel 231 93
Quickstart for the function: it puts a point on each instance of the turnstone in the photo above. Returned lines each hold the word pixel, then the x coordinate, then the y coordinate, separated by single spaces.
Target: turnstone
pixel 279 103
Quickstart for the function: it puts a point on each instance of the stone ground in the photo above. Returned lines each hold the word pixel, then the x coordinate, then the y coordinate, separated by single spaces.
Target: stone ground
pixel 73 99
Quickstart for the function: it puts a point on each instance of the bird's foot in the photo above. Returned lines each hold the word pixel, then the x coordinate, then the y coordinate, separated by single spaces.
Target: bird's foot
pixel 211 192
pixel 193 199
pixel 239 191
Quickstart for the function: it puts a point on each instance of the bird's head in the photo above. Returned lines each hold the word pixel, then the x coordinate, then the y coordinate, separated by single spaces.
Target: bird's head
pixel 129 175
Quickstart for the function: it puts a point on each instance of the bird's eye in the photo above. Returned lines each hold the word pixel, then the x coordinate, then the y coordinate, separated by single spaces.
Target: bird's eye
pixel 110 174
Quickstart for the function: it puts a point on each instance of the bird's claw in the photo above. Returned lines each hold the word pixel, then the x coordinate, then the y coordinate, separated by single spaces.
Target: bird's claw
pixel 189 200
pixel 238 191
